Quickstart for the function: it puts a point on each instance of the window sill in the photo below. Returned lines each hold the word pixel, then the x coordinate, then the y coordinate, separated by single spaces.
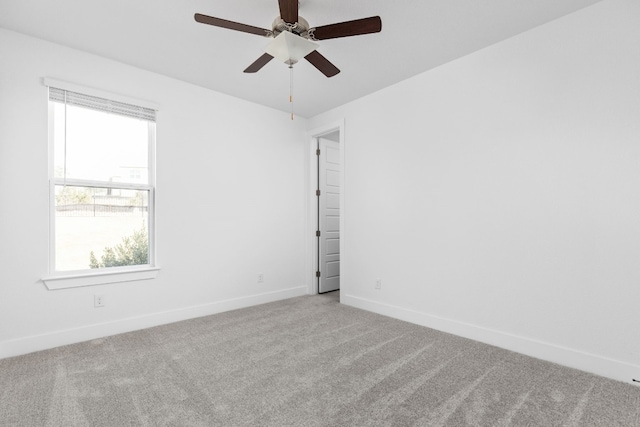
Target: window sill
pixel 101 278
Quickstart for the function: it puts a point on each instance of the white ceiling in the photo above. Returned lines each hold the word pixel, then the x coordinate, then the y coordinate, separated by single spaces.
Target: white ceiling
pixel 162 36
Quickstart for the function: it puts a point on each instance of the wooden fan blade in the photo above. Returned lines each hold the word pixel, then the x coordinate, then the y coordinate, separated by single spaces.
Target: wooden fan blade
pixel 288 11
pixel 259 63
pixel 322 64
pixel 348 28
pixel 223 23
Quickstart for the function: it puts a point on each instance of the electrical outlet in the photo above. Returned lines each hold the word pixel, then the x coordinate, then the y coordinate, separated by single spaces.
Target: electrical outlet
pixel 378 284
pixel 98 301
pixel 260 277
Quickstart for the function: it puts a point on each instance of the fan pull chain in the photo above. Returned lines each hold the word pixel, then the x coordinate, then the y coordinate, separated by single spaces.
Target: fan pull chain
pixel 291 88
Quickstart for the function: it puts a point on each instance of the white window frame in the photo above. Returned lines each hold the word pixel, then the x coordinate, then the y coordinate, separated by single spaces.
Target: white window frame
pixel 89 277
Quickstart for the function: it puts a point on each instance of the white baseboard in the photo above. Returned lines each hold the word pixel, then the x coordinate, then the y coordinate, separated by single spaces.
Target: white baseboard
pixel 33 343
pixel 603 366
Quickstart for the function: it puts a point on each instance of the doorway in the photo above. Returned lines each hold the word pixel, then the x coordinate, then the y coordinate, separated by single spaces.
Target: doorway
pixel 328 212
pixel 325 208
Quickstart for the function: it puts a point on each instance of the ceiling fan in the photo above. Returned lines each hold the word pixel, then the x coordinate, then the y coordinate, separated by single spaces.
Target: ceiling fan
pixel 291 29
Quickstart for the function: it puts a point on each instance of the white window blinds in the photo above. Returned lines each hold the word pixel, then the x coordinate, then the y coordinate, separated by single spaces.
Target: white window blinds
pixel 101 104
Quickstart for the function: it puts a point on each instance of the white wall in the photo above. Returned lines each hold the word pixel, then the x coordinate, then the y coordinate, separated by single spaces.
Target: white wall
pixel 498 196
pixel 230 202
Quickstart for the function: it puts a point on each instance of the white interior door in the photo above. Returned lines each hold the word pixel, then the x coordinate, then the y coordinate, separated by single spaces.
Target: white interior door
pixel 329 215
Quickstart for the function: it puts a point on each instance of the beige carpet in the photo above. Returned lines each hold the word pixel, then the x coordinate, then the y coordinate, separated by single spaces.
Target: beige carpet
pixel 306 361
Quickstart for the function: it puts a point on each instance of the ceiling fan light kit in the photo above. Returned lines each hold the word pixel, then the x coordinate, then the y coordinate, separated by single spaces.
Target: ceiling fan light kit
pixel 290 48
pixel 292 37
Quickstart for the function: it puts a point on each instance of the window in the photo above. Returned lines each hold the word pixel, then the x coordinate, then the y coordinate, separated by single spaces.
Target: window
pixel 102 176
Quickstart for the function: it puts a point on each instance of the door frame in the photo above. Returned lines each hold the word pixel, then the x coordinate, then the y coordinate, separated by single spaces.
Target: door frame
pixel 311 182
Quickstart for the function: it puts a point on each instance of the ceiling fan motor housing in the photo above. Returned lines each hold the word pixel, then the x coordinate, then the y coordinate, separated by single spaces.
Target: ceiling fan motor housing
pixel 300 28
